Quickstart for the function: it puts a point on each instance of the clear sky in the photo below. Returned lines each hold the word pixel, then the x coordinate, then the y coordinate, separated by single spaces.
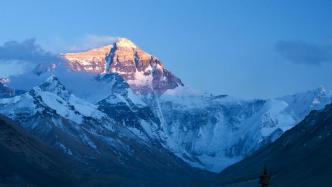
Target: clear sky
pixel 248 48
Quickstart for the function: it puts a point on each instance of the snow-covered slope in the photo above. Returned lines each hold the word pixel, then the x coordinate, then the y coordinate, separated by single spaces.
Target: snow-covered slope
pixel 52 95
pixel 105 136
pixel 213 132
pixel 51 112
pixel 125 107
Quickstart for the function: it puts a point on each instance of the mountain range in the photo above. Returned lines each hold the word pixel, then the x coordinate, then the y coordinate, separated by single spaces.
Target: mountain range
pixel 146 125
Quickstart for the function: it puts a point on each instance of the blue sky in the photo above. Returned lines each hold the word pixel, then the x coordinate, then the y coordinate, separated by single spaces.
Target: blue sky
pixel 248 48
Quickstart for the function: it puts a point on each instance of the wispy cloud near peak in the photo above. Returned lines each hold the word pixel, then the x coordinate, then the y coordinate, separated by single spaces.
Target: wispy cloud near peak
pixel 19 57
pixel 91 41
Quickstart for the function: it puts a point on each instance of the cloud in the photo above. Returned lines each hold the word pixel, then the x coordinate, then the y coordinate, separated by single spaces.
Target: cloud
pixel 300 52
pixel 26 63
pixel 90 41
pixel 10 68
pixel 27 51
pixel 19 57
pixel 81 84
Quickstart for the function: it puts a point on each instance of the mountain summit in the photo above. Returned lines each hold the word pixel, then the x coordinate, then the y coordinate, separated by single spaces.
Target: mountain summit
pixel 143 72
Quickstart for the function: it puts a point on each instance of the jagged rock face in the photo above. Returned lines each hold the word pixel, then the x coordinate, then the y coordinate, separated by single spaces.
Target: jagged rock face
pixel 143 72
pixel 90 61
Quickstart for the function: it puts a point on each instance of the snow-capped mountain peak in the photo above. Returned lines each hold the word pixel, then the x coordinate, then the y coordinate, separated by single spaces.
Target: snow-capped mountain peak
pixel 52 84
pixel 143 72
pixel 52 98
pixel 124 42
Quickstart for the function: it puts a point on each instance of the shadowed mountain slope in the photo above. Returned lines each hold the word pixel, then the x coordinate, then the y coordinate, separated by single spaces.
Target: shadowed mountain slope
pixel 301 157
